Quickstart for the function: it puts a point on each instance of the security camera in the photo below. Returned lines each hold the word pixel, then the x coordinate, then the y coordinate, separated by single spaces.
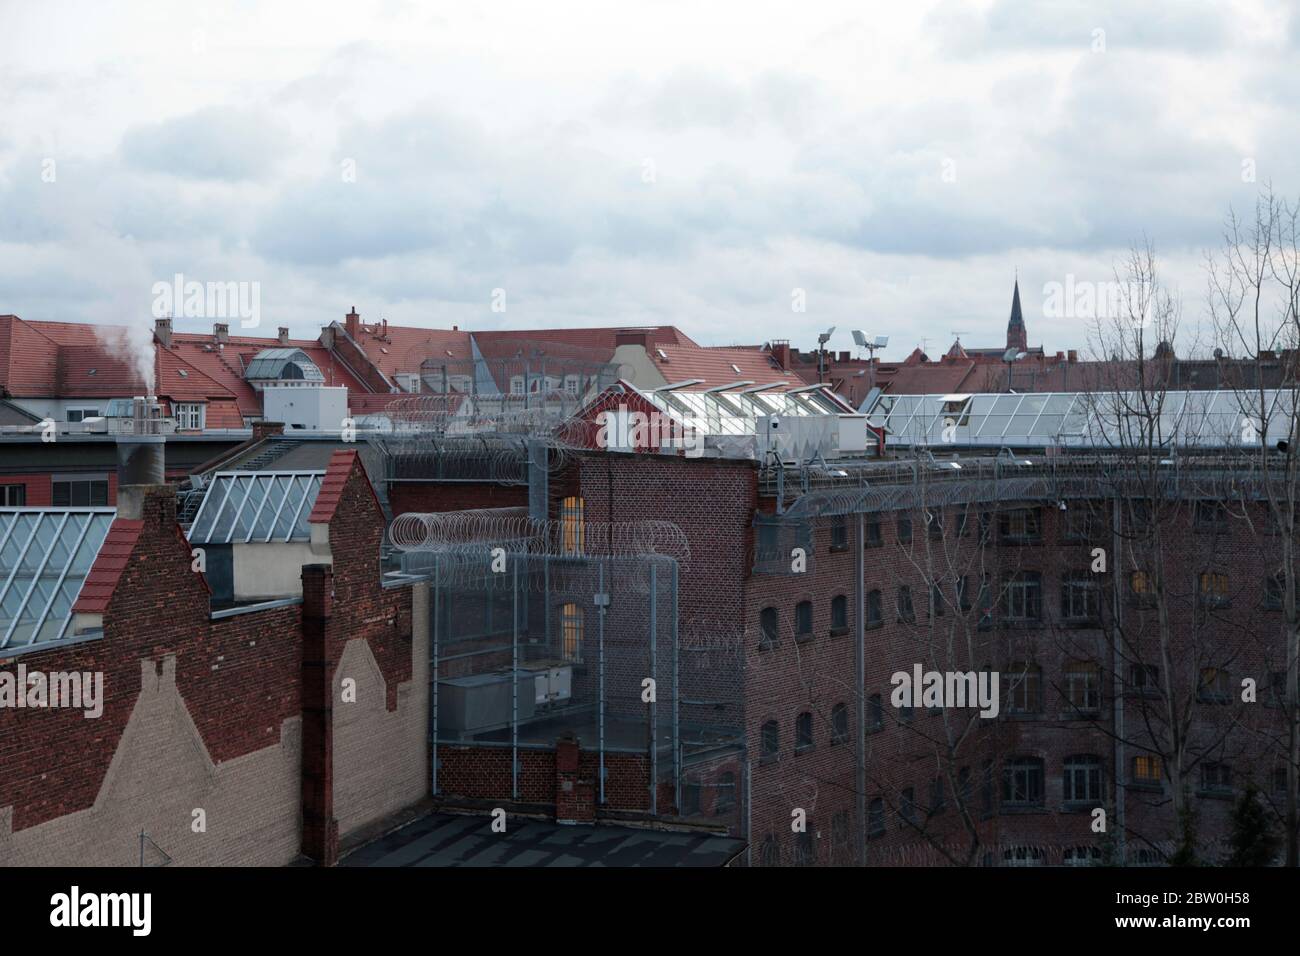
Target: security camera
pixel 775 423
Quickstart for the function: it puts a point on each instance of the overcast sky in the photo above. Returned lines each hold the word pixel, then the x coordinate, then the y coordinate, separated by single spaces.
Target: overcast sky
pixel 691 163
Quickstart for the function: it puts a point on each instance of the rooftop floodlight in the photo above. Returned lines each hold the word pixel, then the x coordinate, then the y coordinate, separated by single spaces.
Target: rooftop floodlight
pixel 826 336
pixel 860 338
pixel 881 341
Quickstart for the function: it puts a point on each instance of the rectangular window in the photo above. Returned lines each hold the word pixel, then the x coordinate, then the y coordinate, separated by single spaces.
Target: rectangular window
pixel 963 592
pixel 1023 688
pixel 936 600
pixel 13 496
pixel 904 530
pixel 1080 597
pixel 839 533
pixel 1216 778
pixel 571 525
pixel 803 619
pixel 1082 783
pixel 1024 596
pixel 934 525
pixel 81 414
pixel 1147 771
pixel 1083 687
pixel 80 493
pixel 906 612
pixel 1022 782
pixel 189 416
pixel 571 629
pixel 1274 591
pixel 1214 589
pixel 1215 686
pixel 874 539
pixel 1021 524
pixel 1081 522
pixel 1211 515
pixel 1145 678
pixel 840 614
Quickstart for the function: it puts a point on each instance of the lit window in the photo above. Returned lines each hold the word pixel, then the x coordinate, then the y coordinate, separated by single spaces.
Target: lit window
pixel 571 526
pixel 571 629
pixel 1214 588
pixel 1141 584
pixel 1147 770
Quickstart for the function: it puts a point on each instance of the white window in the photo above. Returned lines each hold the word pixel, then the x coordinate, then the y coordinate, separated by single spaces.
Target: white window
pixel 571 384
pixel 517 385
pixel 189 417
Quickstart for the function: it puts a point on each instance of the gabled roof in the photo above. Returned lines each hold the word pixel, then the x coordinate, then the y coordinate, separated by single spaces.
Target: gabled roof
pixel 720 366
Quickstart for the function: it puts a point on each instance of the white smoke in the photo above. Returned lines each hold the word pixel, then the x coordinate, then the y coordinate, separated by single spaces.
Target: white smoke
pixel 127 334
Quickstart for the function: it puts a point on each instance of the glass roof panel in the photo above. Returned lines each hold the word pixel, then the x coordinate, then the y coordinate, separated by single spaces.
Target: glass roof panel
pixel 44 559
pixel 239 507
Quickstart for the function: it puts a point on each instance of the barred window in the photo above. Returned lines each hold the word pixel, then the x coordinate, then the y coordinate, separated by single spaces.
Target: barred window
pixel 1022 781
pixel 1082 778
pixel 1083 686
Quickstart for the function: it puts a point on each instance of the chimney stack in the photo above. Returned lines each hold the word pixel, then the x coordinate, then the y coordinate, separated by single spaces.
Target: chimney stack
pixel 781 352
pixel 283 334
pixel 162 331
pixel 352 324
pixel 221 332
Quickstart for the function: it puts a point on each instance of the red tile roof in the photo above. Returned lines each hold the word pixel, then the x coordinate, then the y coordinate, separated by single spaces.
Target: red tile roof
pixel 331 487
pixel 108 567
pixel 714 366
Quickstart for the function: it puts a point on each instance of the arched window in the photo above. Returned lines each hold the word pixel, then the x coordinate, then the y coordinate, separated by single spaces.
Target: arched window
pixel 768 626
pixel 571 527
pixel 771 739
pixel 803 732
pixel 803 619
pixel 771 853
pixel 875 609
pixel 839 723
pixel 840 614
pixel 571 631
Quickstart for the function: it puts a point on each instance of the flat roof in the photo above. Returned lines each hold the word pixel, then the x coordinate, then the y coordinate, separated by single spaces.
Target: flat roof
pixel 444 839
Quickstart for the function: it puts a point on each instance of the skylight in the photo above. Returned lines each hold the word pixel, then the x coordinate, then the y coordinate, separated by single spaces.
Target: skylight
pixel 45 555
pixel 256 506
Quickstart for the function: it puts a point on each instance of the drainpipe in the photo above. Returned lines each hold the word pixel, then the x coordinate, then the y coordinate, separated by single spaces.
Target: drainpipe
pixel 1117 679
pixel 860 690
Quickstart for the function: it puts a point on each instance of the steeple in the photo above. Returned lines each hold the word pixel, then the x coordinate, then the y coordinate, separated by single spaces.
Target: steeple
pixel 1017 337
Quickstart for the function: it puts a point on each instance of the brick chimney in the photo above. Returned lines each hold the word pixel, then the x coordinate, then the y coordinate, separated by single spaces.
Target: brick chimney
pixel 632 337
pixel 781 352
pixel 221 332
pixel 162 332
pixel 282 334
pixel 1072 356
pixel 352 323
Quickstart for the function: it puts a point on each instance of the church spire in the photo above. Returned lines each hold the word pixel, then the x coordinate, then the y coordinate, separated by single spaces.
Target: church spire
pixel 1017 337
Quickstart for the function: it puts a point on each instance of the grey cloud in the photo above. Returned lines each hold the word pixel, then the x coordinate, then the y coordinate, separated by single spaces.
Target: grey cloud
pixel 217 143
